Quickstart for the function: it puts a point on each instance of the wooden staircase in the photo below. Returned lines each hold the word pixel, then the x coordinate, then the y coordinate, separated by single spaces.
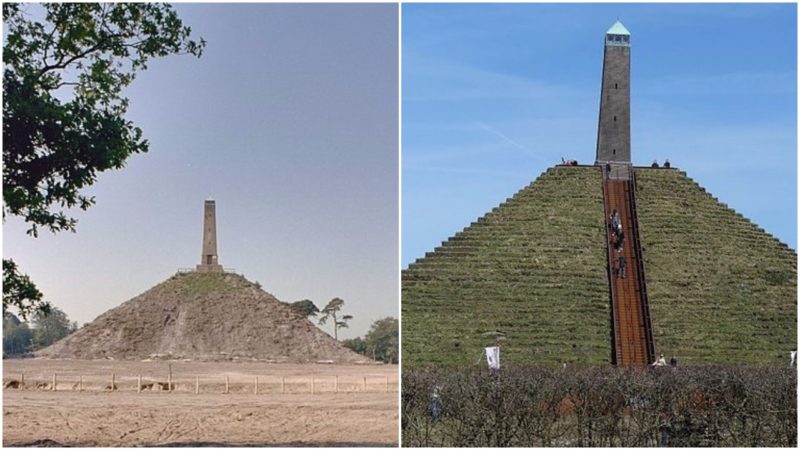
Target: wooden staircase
pixel 631 327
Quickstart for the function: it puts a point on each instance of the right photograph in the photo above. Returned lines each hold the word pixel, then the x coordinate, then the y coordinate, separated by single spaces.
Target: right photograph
pixel 599 225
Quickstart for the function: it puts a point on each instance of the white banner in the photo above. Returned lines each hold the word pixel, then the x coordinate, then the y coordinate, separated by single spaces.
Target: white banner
pixel 493 357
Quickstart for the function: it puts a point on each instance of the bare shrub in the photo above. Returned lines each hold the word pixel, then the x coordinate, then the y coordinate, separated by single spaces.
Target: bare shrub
pixel 600 406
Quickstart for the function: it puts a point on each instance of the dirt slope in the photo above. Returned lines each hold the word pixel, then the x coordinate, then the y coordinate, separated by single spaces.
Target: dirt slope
pixel 203 316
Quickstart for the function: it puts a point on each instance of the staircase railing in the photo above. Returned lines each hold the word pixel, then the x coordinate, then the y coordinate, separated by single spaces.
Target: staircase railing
pixel 615 326
pixel 637 248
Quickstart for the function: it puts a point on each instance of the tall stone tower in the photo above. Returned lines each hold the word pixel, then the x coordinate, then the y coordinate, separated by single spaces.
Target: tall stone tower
pixel 614 128
pixel 208 260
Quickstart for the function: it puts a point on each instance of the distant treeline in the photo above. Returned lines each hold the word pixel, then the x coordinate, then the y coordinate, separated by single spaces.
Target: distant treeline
pixel 20 338
pixel 381 342
pixel 600 406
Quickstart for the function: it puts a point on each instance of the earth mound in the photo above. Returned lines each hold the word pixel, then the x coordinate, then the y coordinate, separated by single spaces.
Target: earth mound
pixel 203 316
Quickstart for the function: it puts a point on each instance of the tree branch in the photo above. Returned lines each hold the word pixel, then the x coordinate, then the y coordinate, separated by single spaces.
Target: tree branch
pixel 67 83
pixel 48 41
pixel 61 64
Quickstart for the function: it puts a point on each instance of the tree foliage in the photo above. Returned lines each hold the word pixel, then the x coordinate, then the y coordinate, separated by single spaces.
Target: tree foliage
pixel 383 339
pixel 357 345
pixel 48 327
pixel 305 308
pixel 17 336
pixel 63 109
pixel 332 311
pixel 20 292
pixel 52 147
pixel 51 327
pixel 381 342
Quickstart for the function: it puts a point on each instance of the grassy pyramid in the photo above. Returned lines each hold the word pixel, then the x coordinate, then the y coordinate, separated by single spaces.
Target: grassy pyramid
pixel 721 289
pixel 203 316
pixel 534 268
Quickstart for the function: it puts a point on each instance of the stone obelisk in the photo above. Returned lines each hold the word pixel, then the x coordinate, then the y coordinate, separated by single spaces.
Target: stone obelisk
pixel 614 128
pixel 209 261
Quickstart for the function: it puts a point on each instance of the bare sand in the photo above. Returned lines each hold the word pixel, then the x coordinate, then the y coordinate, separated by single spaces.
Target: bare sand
pixel 84 411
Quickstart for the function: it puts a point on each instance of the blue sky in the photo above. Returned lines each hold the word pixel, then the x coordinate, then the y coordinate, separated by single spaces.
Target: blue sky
pixel 493 95
pixel 290 122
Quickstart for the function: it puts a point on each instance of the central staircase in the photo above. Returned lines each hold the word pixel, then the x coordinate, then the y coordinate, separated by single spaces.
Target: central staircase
pixel 631 327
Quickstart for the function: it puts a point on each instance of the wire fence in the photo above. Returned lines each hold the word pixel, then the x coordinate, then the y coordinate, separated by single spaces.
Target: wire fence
pixel 203 384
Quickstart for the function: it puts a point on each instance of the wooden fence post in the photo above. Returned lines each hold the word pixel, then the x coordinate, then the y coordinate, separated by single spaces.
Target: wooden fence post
pixel 283 385
pixel 197 384
pixel 22 378
pixel 54 382
pixel 113 381
pixel 139 384
pixel 169 380
pixel 336 386
pixel 227 384
pixel 255 390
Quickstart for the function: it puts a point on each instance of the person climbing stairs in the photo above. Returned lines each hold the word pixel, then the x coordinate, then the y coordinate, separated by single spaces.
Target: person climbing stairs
pixel 632 331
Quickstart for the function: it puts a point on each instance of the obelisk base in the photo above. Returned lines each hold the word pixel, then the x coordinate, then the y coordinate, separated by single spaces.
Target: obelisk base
pixel 209 268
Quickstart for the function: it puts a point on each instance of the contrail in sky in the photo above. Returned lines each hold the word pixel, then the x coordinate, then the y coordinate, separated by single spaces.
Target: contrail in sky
pixel 510 141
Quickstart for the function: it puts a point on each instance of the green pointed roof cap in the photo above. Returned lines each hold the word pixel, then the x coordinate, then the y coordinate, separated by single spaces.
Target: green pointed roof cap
pixel 618 28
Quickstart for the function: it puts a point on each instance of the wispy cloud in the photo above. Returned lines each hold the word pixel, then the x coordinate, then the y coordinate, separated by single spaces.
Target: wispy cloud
pixel 459 170
pixel 723 84
pixel 719 149
pixel 434 80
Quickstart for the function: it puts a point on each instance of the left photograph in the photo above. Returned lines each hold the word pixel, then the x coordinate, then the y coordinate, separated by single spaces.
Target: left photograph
pixel 200 225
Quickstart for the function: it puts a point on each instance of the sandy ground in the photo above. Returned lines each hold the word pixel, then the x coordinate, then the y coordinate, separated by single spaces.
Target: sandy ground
pixel 98 416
